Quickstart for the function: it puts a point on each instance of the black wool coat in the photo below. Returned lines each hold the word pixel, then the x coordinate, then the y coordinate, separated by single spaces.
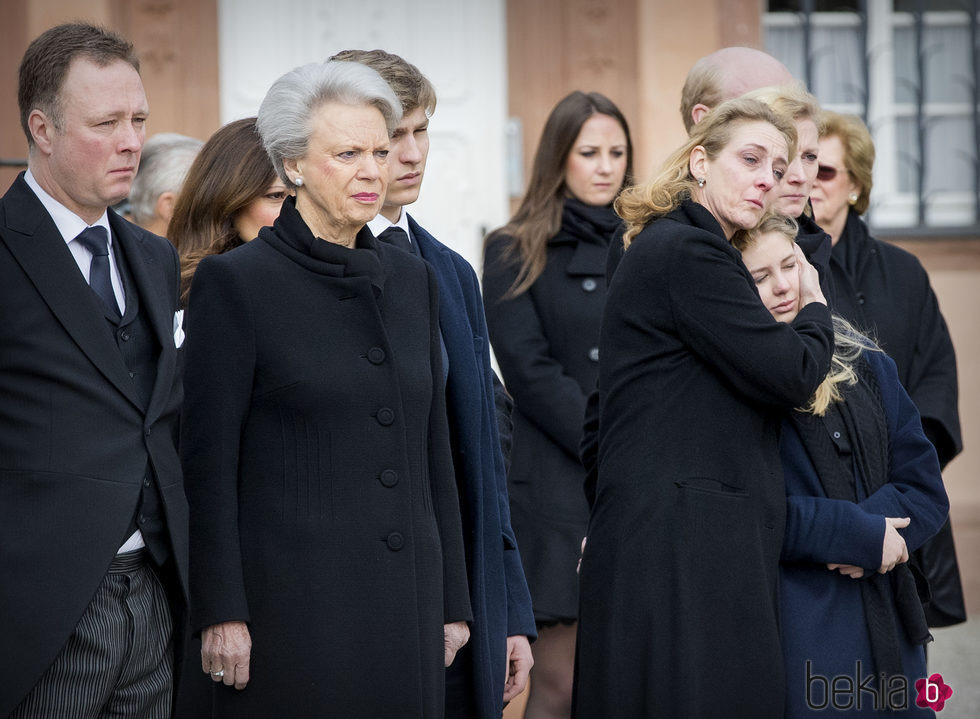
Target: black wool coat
pixel 323 502
pixel 546 341
pixel 679 611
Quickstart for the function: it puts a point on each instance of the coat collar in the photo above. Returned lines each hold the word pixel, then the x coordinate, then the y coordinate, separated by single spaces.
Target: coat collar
pixel 39 248
pixel 692 213
pixel 291 236
pixel 854 248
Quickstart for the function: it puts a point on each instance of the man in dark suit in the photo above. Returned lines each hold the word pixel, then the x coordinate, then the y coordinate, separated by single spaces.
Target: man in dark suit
pixel 93 519
pixel 499 643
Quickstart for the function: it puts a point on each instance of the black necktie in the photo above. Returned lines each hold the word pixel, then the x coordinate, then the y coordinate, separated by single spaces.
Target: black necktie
pixel 94 240
pixel 398 237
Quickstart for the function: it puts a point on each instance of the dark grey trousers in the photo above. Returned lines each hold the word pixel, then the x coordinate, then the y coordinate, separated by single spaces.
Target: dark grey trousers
pixel 119 660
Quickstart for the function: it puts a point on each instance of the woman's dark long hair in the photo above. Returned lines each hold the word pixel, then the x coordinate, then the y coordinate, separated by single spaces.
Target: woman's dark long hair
pixel 538 218
pixel 230 171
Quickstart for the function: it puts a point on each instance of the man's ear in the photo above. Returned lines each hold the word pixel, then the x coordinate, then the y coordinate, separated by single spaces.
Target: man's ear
pixel 698 112
pixel 164 207
pixel 42 130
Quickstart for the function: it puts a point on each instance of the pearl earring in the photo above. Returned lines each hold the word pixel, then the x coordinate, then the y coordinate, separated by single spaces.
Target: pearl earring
pixel 700 182
pixel 853 198
pixel 298 182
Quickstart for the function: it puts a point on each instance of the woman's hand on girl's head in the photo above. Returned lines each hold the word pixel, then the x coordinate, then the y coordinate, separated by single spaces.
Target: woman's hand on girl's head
pixel 809 281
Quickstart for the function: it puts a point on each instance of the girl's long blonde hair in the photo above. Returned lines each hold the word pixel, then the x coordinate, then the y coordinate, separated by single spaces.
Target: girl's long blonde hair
pixel 848 342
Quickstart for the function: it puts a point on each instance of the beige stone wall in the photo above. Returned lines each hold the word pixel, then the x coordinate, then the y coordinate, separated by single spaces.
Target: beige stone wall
pixel 176 40
pixel 954 269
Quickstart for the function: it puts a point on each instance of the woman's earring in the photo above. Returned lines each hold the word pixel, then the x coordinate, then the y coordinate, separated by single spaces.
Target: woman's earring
pixel 700 182
pixel 853 198
pixel 298 182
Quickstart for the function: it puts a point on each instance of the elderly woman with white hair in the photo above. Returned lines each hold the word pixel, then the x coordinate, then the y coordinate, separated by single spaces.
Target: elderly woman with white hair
pixel 328 567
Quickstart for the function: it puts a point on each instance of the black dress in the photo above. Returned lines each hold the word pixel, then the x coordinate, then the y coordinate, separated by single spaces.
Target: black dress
pixel 323 503
pixel 546 341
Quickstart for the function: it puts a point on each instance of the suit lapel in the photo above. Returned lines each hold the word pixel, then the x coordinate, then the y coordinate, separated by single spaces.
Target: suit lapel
pixel 149 283
pixel 40 250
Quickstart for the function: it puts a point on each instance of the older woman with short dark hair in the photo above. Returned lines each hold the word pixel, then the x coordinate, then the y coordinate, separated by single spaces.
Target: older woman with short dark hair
pixel 328 566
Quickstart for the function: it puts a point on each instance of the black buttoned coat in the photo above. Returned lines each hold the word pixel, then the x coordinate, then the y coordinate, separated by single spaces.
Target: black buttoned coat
pixel 679 610
pixel 546 341
pixel 323 502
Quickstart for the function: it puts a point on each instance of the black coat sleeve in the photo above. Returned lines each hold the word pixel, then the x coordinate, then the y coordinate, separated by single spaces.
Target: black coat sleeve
pixel 589 451
pixel 504 405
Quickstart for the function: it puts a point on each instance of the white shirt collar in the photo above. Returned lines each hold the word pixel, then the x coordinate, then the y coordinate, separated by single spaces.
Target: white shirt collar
pixel 381 223
pixel 69 224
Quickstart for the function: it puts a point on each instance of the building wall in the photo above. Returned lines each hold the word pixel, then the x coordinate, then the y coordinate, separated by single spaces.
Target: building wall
pixel 175 39
pixel 463 55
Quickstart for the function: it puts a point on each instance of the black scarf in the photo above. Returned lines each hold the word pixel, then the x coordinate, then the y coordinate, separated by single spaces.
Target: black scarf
pixel 589 223
pixel 850 443
pixel 851 250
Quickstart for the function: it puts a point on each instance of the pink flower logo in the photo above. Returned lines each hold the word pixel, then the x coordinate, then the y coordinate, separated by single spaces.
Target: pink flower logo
pixel 933 692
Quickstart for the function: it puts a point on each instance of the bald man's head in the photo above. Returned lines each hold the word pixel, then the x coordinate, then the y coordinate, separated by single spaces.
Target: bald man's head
pixel 726 74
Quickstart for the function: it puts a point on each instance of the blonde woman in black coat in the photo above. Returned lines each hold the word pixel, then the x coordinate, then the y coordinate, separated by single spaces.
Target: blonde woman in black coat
pixel 544 291
pixel 678 612
pixel 328 573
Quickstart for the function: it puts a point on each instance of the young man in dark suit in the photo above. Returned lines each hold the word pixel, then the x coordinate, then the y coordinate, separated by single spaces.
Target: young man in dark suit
pixel 93 519
pixel 500 637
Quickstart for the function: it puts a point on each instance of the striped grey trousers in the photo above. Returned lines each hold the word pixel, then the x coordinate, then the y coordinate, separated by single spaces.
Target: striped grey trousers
pixel 118 662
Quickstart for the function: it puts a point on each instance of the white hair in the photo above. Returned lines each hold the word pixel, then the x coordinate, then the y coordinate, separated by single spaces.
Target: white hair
pixel 164 162
pixel 285 116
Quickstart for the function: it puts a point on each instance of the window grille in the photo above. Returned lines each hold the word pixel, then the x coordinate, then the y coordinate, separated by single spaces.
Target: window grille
pixel 909 69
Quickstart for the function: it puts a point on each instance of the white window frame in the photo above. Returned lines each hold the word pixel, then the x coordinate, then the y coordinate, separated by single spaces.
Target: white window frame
pixel 892 208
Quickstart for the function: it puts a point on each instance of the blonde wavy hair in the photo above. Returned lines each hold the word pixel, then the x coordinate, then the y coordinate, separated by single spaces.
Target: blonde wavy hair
pixel 641 204
pixel 848 342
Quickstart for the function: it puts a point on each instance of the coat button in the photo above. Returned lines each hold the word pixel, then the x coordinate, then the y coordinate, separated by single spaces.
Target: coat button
pixel 589 284
pixel 124 335
pixel 389 478
pixel 594 354
pixel 836 435
pixel 146 481
pixel 395 541
pixel 385 416
pixel 376 355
